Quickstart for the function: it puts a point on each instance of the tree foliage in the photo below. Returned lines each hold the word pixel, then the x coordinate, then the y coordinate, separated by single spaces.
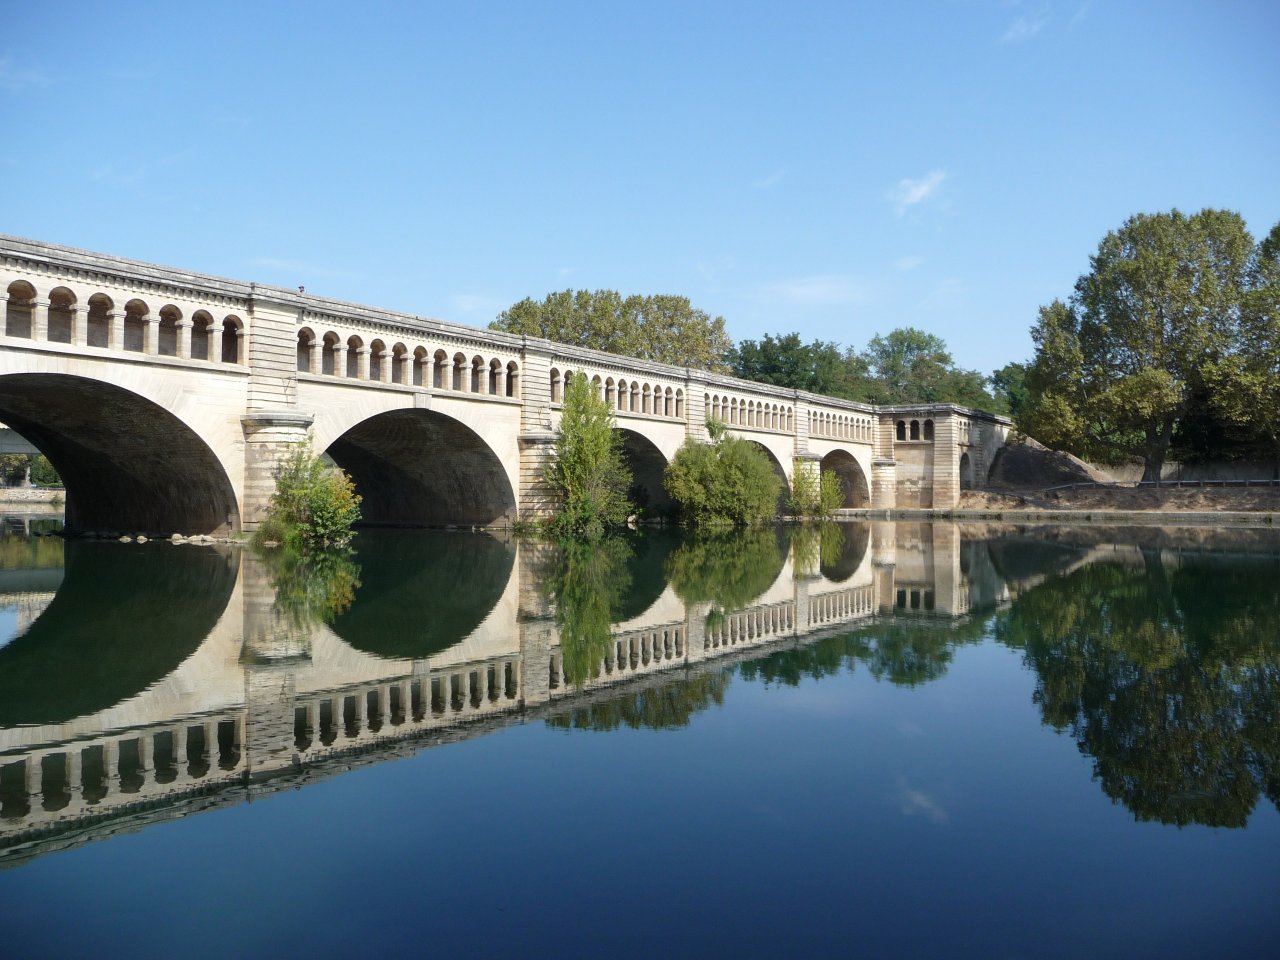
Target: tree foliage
pixel 664 328
pixel 815 495
pixel 589 472
pixel 314 506
pixel 903 366
pixel 728 482
pixel 586 583
pixel 1121 365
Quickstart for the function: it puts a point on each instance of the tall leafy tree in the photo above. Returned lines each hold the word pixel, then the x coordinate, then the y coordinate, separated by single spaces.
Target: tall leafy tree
pixel 911 366
pixel 1245 383
pixel 1121 364
pixel 589 471
pixel 665 328
pixel 787 361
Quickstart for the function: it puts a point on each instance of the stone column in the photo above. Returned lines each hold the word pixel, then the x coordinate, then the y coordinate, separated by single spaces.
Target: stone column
pixel 537 436
pixel 150 330
pixel 79 324
pixel 75 774
pixel 946 460
pixel 40 320
pixel 115 336
pixel 362 363
pixel 184 339
pixel 315 358
pixel 269 438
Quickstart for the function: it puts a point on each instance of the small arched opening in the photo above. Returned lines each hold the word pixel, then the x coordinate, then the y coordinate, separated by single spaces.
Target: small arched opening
pixel 352 359
pixel 62 315
pixel 201 327
pixel 306 344
pixel 966 472
pixel 98 322
pixel 915 429
pixel 377 360
pixel 167 331
pixel 928 429
pixel 232 331
pixel 19 308
pixel 331 358
pixel 136 316
pixel 513 379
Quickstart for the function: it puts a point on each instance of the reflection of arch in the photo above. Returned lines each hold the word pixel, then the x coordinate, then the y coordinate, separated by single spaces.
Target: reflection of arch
pixel 853 551
pixel 647 465
pixel 852 480
pixel 966 472
pixel 128 464
pixel 420 593
pixel 423 468
pixel 148 616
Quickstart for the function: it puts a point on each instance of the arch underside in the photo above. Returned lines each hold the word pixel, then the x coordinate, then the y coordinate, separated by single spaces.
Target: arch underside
pixel 648 467
pixel 128 464
pixel 784 490
pixel 857 493
pixel 420 468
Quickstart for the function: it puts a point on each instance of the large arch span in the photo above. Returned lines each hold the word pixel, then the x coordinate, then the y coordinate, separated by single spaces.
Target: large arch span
pixel 128 463
pixel 422 468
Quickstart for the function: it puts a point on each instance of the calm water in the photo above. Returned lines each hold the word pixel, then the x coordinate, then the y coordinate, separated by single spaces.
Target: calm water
pixel 874 740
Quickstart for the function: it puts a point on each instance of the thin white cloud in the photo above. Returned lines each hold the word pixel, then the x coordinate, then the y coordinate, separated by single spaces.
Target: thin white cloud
pixel 908 192
pixel 764 183
pixel 565 272
pixel 907 264
pixel 14 76
pixel 917 803
pixel 1026 27
pixel 1081 12
pixel 710 270
pixel 824 289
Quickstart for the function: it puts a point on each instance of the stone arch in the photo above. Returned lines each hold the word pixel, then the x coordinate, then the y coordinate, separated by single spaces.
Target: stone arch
pixel 351 358
pixel 915 429
pixel 966 472
pixel 202 325
pixel 421 368
pixel 478 367
pixel 857 493
pixel 136 316
pixel 399 358
pixel 679 404
pixel 232 333
pixel 306 345
pixel 784 491
pixel 377 360
pixel 331 358
pixel 557 386
pixel 647 465
pixel 513 379
pixel 62 316
pixel 97 329
pixel 167 331
pixel 459 381
pixel 440 370
pixel 129 464
pixel 495 377
pixel 624 396
pixel 902 430
pixel 928 429
pixel 423 468
pixel 19 308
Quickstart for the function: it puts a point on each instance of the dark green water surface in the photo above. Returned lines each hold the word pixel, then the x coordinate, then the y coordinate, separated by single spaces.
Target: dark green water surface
pixel 880 740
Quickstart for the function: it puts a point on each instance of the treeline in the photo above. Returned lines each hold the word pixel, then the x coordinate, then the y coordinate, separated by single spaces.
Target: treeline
pixel 904 366
pixel 16 468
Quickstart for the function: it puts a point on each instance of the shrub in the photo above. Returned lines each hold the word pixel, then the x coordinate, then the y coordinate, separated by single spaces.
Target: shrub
pixel 314 506
pixel 814 494
pixel 588 472
pixel 726 483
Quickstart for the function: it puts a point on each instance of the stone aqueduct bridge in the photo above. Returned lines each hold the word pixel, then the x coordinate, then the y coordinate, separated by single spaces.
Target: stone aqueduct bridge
pixel 165 399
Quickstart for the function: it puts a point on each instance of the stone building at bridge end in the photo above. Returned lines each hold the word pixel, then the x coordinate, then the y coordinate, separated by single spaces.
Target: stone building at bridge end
pixel 166 398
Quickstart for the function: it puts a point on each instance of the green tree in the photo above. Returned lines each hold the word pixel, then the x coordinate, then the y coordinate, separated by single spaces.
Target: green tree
pixel 728 482
pixel 1009 387
pixel 1117 368
pixel 727 570
pixel 664 328
pixel 786 361
pixel 911 366
pixel 314 506
pixel 1245 383
pixel 586 583
pixel 589 472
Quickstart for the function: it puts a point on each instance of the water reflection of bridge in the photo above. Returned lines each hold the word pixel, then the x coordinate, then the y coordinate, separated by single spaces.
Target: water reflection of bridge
pixel 259 701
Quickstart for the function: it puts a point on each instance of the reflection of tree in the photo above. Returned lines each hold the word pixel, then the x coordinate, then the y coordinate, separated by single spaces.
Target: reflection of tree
pixel 587 582
pixel 30 553
pixel 665 707
pixel 904 654
pixel 312 585
pixel 815 546
pixel 1169 679
pixel 729 570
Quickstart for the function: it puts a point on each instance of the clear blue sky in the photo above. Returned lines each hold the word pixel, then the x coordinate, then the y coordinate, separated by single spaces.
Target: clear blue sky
pixel 836 169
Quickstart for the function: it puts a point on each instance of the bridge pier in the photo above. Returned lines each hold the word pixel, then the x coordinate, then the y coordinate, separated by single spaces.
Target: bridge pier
pixel 269 438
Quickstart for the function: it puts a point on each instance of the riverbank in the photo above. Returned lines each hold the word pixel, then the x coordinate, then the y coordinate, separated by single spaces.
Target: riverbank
pixel 1128 506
